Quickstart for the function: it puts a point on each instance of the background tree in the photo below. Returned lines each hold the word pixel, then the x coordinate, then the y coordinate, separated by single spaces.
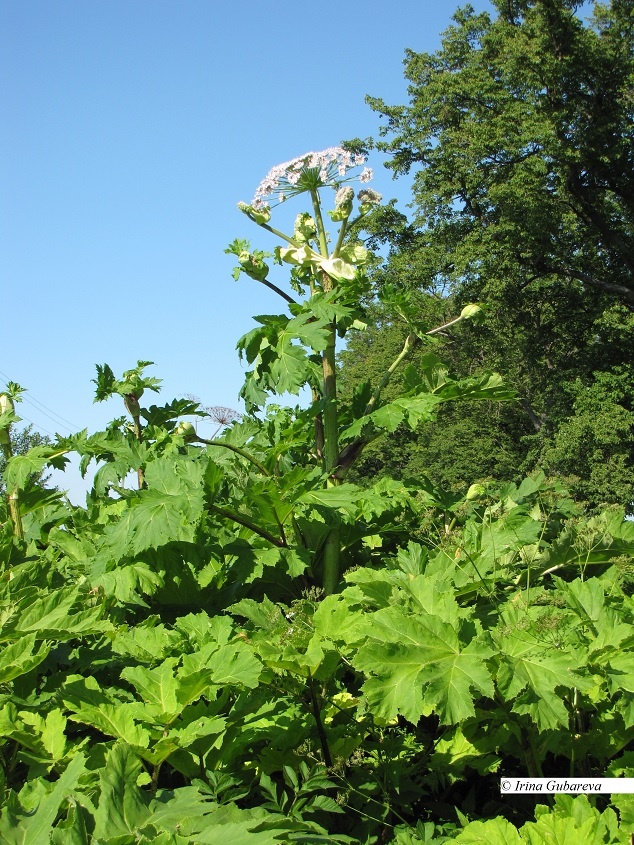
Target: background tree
pixel 518 134
pixel 22 440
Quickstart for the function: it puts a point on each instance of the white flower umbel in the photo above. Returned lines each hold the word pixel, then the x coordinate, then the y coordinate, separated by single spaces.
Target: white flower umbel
pixel 309 172
pixel 367 196
pixel 344 196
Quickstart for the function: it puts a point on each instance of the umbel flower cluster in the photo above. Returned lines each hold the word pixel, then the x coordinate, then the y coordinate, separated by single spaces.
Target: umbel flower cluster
pixel 308 172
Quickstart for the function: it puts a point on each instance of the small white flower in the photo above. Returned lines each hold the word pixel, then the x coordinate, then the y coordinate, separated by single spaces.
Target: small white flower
pixel 366 174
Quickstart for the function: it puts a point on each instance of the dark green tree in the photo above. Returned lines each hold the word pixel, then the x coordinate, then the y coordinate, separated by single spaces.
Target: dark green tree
pixel 519 136
pixel 23 439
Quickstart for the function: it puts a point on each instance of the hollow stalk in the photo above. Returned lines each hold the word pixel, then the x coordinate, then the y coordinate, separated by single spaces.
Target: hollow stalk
pixel 332 546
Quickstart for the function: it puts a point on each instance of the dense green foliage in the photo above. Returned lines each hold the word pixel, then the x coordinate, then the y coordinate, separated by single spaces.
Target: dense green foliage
pixel 233 641
pixel 170 677
pixel 519 136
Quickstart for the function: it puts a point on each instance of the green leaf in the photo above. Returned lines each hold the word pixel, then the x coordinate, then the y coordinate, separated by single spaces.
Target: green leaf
pixel 309 331
pixel 289 369
pixel 550 828
pixel 21 467
pixel 412 561
pixel 72 830
pixel 123 808
pixel 489 386
pixel 90 706
pixel 157 687
pixel 531 670
pixel 227 665
pixel 18 658
pixel 56 616
pixel 344 497
pixel 410 410
pixel 419 667
pixel 497 831
pixel 34 828
pixel 166 512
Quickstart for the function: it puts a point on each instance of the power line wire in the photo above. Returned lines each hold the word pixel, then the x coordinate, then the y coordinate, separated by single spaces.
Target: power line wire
pixel 44 409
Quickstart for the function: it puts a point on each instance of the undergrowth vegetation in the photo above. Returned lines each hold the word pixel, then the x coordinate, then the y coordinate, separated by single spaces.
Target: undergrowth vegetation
pixel 243 646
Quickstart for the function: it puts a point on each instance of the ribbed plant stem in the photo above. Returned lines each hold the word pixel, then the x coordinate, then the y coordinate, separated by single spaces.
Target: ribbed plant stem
pixel 332 545
pixel 138 433
pixel 14 500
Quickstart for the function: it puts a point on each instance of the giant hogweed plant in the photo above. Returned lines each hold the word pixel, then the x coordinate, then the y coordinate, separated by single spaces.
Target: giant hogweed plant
pixel 230 640
pixel 289 352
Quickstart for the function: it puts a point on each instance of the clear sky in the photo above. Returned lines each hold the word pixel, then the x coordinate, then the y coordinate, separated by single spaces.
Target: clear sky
pixel 130 129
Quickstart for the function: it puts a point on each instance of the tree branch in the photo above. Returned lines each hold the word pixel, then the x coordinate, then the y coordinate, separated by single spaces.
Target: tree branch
pixel 537 423
pixel 587 279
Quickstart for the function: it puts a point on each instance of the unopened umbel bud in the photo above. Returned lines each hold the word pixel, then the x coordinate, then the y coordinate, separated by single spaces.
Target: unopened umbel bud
pixel 6 404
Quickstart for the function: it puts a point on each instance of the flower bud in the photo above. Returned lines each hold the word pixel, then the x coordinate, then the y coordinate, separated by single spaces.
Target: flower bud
pixel 344 197
pixel 6 406
pixel 302 256
pixel 470 312
pixel 475 491
pixel 187 431
pixel 261 214
pixel 131 402
pixel 343 204
pixel 367 195
pixel 254 267
pixel 305 228
pixel 354 253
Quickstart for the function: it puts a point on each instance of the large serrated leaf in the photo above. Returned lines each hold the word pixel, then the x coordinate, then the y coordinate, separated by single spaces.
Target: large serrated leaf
pixel 123 807
pixel 231 664
pixel 18 658
pixel 419 667
pixel 343 497
pixel 157 687
pixel 530 671
pixel 21 467
pixel 91 706
pixel 496 831
pixel 34 828
pixel 56 616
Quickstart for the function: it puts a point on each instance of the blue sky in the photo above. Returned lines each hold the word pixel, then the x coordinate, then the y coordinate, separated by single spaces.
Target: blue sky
pixel 130 130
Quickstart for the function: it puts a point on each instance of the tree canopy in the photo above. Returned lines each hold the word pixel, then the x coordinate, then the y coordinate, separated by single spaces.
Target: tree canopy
pixel 518 136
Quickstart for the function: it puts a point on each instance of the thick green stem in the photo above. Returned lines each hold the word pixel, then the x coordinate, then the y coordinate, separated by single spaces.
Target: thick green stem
pixel 14 499
pixel 280 542
pixel 138 433
pixel 330 421
pixel 411 342
pixel 342 234
pixel 332 545
pixel 319 429
pixel 319 222
pixel 279 234
pixel 323 739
